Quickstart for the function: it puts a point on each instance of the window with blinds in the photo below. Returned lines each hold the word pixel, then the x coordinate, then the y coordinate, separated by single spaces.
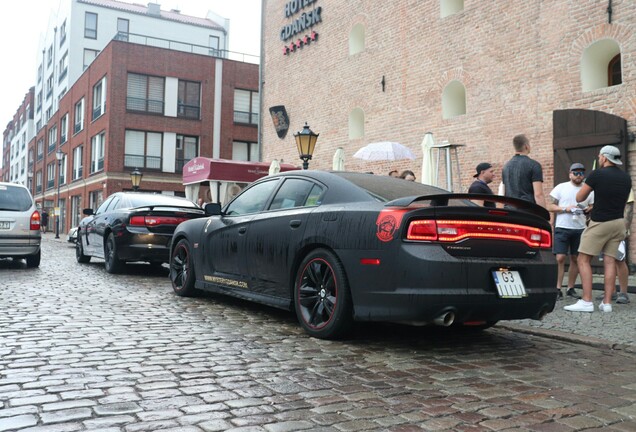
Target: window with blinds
pixel 143 149
pixel 145 93
pixel 246 106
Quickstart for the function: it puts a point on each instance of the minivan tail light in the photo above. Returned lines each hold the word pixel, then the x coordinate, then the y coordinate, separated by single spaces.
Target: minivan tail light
pixel 453 231
pixel 34 223
pixel 151 221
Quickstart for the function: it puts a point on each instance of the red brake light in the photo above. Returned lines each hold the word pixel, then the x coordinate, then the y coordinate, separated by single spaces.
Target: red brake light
pixel 34 223
pixel 452 231
pixel 151 221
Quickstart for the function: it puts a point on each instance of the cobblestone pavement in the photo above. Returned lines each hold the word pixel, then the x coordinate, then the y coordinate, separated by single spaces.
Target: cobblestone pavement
pixel 84 350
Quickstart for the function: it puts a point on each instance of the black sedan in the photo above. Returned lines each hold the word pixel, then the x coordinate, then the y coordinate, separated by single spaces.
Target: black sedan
pixel 338 247
pixel 132 226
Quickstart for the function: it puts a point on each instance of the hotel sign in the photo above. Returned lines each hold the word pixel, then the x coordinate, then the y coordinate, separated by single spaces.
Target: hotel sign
pixel 303 20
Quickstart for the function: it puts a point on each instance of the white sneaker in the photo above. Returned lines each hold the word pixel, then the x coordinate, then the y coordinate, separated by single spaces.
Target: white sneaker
pixel 580 306
pixel 605 307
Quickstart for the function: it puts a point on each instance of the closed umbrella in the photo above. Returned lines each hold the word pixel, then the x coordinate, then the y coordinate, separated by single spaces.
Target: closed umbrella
pixel 384 151
pixel 429 175
pixel 339 160
pixel 274 167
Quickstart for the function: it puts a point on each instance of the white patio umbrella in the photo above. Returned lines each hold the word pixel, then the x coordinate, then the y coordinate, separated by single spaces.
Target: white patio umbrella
pixel 384 150
pixel 429 175
pixel 274 167
pixel 339 160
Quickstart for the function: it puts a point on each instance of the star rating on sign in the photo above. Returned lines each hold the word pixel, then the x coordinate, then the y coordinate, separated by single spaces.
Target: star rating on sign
pixel 306 40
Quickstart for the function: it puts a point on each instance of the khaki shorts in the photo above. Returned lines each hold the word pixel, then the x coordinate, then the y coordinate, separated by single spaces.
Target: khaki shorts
pixel 603 237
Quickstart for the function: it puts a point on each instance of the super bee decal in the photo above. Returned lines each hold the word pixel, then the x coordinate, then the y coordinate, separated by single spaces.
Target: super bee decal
pixel 388 223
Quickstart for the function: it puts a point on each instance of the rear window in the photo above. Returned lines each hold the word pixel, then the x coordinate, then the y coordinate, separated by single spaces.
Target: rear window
pixel 14 198
pixel 158 200
pixel 385 188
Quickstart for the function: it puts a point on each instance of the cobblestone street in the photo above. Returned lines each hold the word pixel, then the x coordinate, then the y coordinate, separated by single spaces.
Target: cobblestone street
pixel 81 349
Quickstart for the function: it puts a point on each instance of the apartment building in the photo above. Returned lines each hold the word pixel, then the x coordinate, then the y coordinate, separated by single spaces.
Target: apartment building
pixel 146 108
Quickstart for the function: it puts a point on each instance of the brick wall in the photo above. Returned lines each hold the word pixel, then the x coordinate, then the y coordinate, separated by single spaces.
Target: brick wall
pixel 518 61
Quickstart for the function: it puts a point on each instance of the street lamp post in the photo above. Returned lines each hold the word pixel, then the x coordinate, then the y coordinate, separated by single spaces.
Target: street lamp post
pixel 135 178
pixel 59 155
pixel 306 143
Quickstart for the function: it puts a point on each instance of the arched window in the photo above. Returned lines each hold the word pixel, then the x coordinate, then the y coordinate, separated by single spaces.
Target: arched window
pixel 601 65
pixel 614 73
pixel 356 39
pixel 356 123
pixel 450 7
pixel 453 100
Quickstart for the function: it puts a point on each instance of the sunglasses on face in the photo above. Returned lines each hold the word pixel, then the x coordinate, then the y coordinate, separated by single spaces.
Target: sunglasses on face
pixel 578 173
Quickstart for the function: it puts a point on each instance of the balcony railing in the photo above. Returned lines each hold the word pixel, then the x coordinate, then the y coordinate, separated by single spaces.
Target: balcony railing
pixel 245 117
pixel 144 105
pixel 77 173
pixel 97 111
pixel 77 127
pixel 188 111
pixel 142 161
pixel 179 164
pixel 50 183
pixel 185 47
pixel 52 146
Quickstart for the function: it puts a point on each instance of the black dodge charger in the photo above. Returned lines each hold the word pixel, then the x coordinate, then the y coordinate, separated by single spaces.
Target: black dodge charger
pixel 337 247
pixel 132 226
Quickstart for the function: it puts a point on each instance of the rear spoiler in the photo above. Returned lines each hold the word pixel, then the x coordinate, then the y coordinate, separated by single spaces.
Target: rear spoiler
pixel 169 208
pixel 442 200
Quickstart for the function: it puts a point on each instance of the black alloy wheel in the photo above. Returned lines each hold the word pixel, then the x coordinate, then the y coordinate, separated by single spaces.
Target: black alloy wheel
pixel 111 261
pixel 321 296
pixel 182 270
pixel 79 252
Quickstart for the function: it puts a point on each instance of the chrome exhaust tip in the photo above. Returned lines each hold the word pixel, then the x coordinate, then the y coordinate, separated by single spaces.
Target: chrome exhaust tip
pixel 446 319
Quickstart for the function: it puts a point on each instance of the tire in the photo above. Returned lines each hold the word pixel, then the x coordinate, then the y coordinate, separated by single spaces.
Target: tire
pixel 111 262
pixel 322 298
pixel 79 252
pixel 33 261
pixel 182 273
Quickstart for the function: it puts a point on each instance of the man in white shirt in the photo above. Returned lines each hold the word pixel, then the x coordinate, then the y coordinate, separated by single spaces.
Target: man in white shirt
pixel 569 225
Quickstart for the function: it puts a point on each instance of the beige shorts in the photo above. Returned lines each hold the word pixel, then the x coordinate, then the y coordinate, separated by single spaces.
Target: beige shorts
pixel 603 237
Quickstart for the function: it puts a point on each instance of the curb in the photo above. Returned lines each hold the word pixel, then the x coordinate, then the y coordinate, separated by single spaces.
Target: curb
pixel 568 337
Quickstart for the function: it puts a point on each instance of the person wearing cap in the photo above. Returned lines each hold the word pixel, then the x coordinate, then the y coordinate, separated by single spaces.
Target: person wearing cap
pixel 521 176
pixel 606 228
pixel 485 174
pixel 568 225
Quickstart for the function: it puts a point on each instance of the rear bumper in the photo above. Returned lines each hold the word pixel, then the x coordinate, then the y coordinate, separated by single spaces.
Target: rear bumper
pixel 19 246
pixel 422 283
pixel 144 247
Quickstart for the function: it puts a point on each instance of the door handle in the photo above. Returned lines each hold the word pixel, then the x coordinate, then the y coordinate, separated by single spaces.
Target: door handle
pixel 295 223
pixel 242 230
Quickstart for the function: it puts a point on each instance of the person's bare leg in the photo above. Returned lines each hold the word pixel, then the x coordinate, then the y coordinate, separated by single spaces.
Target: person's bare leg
pixel 609 265
pixel 560 258
pixel 573 272
pixel 623 275
pixel 585 270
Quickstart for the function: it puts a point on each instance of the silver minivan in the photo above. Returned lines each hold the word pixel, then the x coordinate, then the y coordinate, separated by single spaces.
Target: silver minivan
pixel 20 235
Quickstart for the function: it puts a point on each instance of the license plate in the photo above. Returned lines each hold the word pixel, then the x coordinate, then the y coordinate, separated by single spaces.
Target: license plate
pixel 5 225
pixel 509 284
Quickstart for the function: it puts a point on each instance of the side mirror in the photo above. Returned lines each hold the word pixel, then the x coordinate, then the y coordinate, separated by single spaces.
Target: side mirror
pixel 88 212
pixel 212 209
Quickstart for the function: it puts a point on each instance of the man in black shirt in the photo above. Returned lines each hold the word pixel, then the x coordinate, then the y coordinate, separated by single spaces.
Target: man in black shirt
pixel 606 228
pixel 484 176
pixel 522 177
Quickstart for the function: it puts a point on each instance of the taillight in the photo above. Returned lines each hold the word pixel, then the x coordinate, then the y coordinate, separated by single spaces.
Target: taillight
pixel 152 221
pixel 452 231
pixel 34 223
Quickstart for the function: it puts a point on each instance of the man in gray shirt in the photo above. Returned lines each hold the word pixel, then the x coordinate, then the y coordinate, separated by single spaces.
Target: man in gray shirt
pixel 522 177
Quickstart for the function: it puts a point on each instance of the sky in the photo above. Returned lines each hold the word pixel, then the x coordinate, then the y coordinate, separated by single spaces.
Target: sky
pixel 22 21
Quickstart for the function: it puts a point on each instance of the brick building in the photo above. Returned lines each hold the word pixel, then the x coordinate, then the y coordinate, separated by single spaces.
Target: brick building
pixel 471 72
pixel 142 107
